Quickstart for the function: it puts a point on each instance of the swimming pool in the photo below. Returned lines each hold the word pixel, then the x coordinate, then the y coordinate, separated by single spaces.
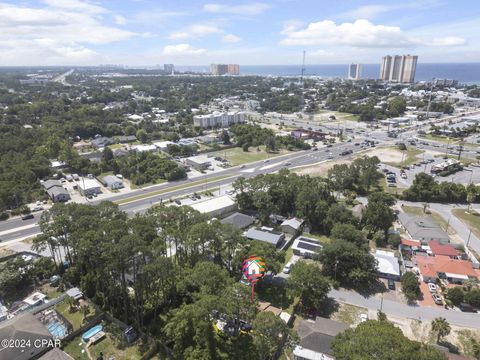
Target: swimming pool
pixel 57 329
pixel 88 334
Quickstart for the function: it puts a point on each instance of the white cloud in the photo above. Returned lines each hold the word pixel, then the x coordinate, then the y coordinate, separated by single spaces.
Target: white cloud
pixel 250 9
pixel 182 50
pixel 374 10
pixel 448 41
pixel 120 20
pixel 361 33
pixel 195 31
pixel 75 5
pixel 58 33
pixel 230 38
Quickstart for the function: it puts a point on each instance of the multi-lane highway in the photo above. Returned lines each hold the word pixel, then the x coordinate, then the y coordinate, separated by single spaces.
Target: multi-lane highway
pixel 16 228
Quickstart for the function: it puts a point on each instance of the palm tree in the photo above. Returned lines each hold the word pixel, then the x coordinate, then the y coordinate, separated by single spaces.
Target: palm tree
pixel 441 327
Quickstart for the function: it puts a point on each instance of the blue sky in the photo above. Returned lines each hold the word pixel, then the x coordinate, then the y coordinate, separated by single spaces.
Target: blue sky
pixel 195 32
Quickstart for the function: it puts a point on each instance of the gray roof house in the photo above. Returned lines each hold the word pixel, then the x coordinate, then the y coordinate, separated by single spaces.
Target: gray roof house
pixel 56 191
pixel 423 228
pixel 27 328
pixel 316 339
pixel 267 236
pixel 126 138
pixel 101 141
pixel 291 226
pixel 112 182
pixel 56 354
pixel 239 220
pixel 75 293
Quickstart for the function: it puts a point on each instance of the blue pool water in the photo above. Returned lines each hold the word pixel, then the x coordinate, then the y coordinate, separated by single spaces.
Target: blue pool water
pixel 57 329
pixel 88 334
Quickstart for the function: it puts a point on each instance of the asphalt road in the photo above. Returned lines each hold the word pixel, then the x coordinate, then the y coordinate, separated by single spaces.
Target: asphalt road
pixel 16 228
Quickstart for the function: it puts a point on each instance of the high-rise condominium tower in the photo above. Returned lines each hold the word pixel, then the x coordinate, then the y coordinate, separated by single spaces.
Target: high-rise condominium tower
pixel 400 69
pixel 354 71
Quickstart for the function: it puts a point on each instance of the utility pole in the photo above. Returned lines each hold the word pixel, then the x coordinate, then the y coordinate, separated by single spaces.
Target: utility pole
pixel 468 240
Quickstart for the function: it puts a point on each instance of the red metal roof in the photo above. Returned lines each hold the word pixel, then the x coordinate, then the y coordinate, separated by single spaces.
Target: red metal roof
pixel 442 249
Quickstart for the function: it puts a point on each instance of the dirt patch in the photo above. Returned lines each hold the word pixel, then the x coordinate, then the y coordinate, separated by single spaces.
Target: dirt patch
pixel 349 314
pixel 386 155
pixel 319 169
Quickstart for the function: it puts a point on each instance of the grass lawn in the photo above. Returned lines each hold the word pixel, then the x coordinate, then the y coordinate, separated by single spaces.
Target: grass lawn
pixel 169 189
pixel 108 346
pixel 159 181
pixel 236 156
pixel 115 146
pixel 349 314
pixel 442 139
pixel 471 219
pixel 288 255
pixel 410 157
pixel 75 318
pixel 418 211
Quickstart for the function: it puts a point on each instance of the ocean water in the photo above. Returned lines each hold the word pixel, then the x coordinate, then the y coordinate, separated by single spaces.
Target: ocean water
pixel 466 73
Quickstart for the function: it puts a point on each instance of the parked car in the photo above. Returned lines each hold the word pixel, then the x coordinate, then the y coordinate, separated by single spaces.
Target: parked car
pixel 27 216
pixel 467 308
pixel 363 317
pixel 437 298
pixel 391 284
pixel 287 268
pixel 432 287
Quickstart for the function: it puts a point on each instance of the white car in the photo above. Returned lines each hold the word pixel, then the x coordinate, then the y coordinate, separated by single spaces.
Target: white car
pixel 363 317
pixel 287 268
pixel 432 287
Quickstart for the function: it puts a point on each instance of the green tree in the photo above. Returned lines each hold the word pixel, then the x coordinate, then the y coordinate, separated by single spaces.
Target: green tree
pixel 142 135
pixel 397 106
pixel 306 282
pixel 410 286
pixel 271 335
pixel 378 213
pixel 349 233
pixel 473 297
pixel 380 340
pixel 455 295
pixel 441 327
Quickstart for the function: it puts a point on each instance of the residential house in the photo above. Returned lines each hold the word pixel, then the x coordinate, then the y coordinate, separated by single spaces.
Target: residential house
pixel 439 249
pixel 387 265
pixel 423 228
pixel 358 211
pixel 101 141
pixel 454 271
pixel 292 226
pixel 88 187
pixel 126 139
pixel 306 246
pixel 56 191
pixel 27 330
pixel 112 182
pixel 270 237
pixel 239 220
pixel 75 293
pixel 56 354
pixel 316 339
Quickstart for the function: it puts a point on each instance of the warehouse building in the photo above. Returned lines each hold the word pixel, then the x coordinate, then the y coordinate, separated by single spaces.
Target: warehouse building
pixel 216 207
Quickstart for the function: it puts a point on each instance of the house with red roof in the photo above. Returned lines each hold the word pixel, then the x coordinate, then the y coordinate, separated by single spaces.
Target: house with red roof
pixel 439 249
pixel 454 271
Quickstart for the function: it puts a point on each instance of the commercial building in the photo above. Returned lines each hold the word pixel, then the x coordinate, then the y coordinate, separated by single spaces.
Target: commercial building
pixel 88 187
pixel 200 162
pixel 112 182
pixel 222 69
pixel 218 119
pixel 355 71
pixel 398 68
pixel 56 191
pixel 169 68
pixel 216 207
pixel 388 266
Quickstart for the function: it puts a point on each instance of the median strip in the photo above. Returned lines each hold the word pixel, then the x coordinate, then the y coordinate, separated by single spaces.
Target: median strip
pixel 170 189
